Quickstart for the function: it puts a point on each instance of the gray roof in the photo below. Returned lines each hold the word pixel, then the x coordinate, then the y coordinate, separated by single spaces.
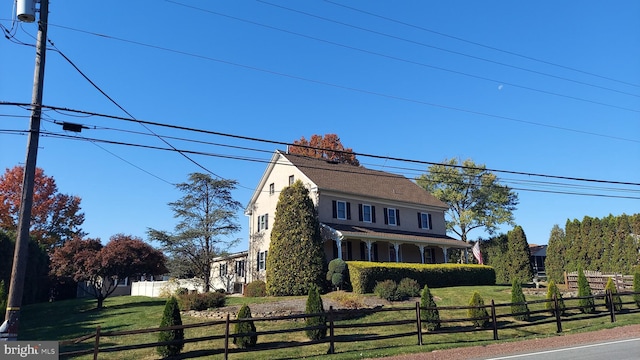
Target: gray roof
pixel 359 180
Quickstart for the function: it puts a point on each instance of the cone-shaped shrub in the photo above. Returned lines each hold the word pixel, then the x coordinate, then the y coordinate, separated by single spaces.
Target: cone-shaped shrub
pixel 244 327
pixel 617 302
pixel 170 317
pixel 429 314
pixel 314 306
pixel 551 291
pixel 636 287
pixel 587 305
pixel 478 312
pixel 518 302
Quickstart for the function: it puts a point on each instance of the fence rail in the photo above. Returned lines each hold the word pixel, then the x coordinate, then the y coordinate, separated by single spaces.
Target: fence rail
pixel 597 280
pixel 334 315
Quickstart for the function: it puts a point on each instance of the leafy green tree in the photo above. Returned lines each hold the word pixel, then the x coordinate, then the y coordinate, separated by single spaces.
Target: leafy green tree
pixel 244 327
pixel 555 263
pixel 587 305
pixel 617 301
pixel 429 314
pixel 478 312
pixel 518 302
pixel 518 256
pixel 552 291
pixel 636 287
pixel 170 317
pixel 208 219
pixel 314 306
pixel 296 260
pixel 475 197
pixel 495 255
pixel 337 273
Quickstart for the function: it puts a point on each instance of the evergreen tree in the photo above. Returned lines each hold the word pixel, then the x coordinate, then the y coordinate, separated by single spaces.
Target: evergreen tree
pixel 478 312
pixel 636 287
pixel 587 305
pixel 337 273
pixel 518 256
pixel 170 317
pixel 495 250
pixel 314 306
pixel 296 258
pixel 552 291
pixel 617 301
pixel 244 327
pixel 518 302
pixel 429 314
pixel 554 263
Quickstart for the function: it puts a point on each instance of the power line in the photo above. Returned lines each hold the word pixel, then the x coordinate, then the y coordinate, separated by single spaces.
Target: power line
pixel 481 45
pixel 235 136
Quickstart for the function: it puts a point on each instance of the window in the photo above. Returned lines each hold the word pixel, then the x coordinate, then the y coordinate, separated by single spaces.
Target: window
pixel 291 180
pixel 392 217
pixel 366 213
pixel 393 256
pixel 341 210
pixel 424 220
pixel 223 269
pixel 262 260
pixel 123 281
pixel 272 189
pixel 429 256
pixel 240 268
pixel 263 222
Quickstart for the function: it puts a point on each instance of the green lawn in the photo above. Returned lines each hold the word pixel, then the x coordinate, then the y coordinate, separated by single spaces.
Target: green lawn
pixel 74 318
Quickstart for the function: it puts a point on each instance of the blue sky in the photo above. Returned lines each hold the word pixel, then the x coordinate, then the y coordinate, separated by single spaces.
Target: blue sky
pixel 537 87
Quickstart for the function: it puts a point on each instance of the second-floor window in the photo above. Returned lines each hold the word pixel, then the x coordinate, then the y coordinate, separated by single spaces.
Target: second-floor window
pixel 341 210
pixel 263 222
pixel 223 269
pixel 291 180
pixel 262 260
pixel 392 216
pixel 424 221
pixel 367 213
pixel 240 268
pixel 272 189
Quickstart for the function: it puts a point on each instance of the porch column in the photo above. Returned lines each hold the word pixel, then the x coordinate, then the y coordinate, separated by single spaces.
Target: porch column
pixel 421 252
pixel 338 240
pixel 369 244
pixel 444 251
pixel 396 246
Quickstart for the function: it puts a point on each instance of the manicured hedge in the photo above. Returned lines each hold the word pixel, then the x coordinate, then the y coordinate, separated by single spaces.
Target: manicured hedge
pixel 364 275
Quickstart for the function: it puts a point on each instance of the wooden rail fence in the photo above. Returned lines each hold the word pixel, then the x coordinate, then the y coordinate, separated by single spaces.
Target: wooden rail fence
pixel 334 316
pixel 597 280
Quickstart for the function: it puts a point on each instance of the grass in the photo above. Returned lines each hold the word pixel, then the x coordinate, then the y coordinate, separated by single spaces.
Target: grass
pixel 74 318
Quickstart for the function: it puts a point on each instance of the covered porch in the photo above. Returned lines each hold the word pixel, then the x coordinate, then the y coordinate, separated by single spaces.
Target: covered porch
pixel 371 244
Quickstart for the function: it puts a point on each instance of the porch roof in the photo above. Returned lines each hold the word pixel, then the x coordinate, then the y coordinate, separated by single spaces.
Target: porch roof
pixel 366 233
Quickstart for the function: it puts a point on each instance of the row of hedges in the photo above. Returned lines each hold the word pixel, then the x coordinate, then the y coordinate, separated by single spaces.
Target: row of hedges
pixel 364 274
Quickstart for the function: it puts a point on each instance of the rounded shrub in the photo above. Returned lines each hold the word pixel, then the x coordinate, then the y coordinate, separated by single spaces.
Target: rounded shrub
pixel 407 288
pixel 429 314
pixel 314 306
pixel 617 301
pixel 256 288
pixel 337 273
pixel 170 317
pixel 245 327
pixel 519 307
pixel 478 313
pixel 387 290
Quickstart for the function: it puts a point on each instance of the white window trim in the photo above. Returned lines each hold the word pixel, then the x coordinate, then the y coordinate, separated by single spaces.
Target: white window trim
pixel 395 219
pixel 344 204
pixel 424 219
pixel 262 261
pixel 364 219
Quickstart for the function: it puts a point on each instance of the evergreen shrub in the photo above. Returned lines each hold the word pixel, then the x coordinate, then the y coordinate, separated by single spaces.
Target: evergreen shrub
pixel 478 312
pixel 587 304
pixel 408 288
pixel 201 302
pixel 256 288
pixel 519 308
pixel 387 289
pixel 429 314
pixel 170 317
pixel 314 306
pixel 636 287
pixel 617 301
pixel 551 291
pixel 245 327
pixel 337 273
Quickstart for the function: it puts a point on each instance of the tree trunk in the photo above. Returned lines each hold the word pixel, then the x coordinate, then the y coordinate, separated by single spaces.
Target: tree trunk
pixel 100 299
pixel 207 278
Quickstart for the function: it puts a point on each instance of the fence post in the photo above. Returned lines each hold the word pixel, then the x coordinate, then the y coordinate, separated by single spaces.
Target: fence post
pixel 557 312
pixel 493 320
pixel 226 339
pixel 331 343
pixel 612 308
pixel 96 345
pixel 419 322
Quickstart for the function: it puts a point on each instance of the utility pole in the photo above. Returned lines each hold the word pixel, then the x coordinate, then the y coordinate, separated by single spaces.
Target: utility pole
pixel 9 328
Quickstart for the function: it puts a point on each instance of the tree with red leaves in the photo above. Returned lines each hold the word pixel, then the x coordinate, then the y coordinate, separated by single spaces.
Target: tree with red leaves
pixel 101 267
pixel 55 217
pixel 328 147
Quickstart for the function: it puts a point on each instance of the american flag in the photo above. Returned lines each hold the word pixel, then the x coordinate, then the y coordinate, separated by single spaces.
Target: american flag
pixel 476 252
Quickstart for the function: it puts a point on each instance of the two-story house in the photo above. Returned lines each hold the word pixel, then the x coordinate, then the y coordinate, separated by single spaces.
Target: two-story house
pixel 364 214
